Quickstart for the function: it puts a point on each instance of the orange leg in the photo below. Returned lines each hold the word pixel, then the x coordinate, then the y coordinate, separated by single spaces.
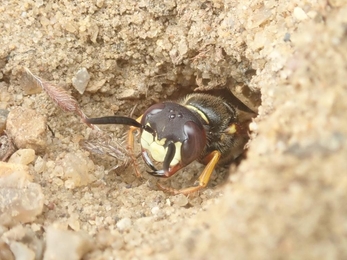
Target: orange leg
pixel 131 147
pixel 211 159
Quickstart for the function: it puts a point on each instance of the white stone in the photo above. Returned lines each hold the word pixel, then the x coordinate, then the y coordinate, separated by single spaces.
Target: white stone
pixel 22 156
pixel 124 224
pixel 300 14
pixel 21 200
pixel 81 80
pixel 66 244
pixel 21 251
pixel 75 169
pixel 40 165
pixel 155 210
pixel 180 200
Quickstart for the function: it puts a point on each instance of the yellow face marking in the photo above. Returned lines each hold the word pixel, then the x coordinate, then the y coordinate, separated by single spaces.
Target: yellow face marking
pixel 177 157
pixel 157 152
pixel 156 148
pixel 203 116
pixel 231 129
pixel 146 139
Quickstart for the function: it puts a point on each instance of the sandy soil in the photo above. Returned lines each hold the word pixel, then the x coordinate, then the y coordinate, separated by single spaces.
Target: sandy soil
pixel 287 197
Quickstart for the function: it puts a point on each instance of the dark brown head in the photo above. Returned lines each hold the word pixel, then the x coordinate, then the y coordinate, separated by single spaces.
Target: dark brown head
pixel 177 139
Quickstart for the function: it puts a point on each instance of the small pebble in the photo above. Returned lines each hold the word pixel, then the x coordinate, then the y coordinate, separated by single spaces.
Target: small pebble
pixel 155 210
pixel 81 80
pixel 27 129
pixel 21 200
pixel 97 84
pixel 300 14
pixel 15 233
pixel 3 117
pixel 66 244
pixel 180 200
pixel 40 165
pixel 74 222
pixel 124 224
pixel 7 147
pixel 75 169
pixel 21 251
pixel 126 94
pixel 22 156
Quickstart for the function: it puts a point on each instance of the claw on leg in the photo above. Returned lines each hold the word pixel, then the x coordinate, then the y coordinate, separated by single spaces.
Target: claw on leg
pixel 212 160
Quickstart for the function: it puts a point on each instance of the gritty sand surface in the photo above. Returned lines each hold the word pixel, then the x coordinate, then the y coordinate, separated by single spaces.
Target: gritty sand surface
pixel 285 200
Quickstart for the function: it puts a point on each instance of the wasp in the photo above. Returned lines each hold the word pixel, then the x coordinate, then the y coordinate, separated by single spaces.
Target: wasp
pixel 202 127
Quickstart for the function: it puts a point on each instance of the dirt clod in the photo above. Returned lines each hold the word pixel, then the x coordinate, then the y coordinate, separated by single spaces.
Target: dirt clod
pixel 27 129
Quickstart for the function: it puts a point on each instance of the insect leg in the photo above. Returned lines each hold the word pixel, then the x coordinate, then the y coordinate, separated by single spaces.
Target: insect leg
pixel 211 159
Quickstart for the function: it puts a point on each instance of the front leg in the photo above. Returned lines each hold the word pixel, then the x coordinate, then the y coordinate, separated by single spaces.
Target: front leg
pixel 212 160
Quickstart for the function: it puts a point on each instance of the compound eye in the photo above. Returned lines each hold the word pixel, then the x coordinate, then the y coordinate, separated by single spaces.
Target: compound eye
pixel 195 143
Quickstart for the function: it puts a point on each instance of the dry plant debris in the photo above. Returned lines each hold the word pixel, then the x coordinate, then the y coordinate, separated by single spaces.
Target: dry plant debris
pixel 59 96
